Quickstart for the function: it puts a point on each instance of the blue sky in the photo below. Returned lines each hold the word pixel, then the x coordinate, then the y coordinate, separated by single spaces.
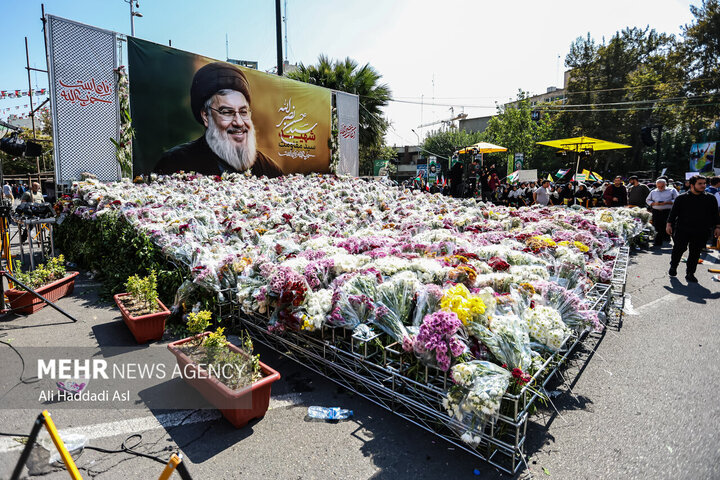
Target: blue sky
pixel 472 53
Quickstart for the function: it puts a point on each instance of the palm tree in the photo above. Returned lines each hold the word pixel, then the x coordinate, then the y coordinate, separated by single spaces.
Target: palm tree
pixel 347 76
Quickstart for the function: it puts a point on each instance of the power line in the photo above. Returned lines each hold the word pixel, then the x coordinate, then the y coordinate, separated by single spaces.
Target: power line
pixel 565 106
pixel 552 109
pixel 659 84
pixel 629 102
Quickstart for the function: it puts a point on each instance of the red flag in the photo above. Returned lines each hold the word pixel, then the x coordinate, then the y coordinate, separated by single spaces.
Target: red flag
pixel 17 93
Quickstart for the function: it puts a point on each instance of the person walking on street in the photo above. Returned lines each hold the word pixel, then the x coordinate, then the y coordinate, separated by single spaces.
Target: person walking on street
pixel 692 216
pixel 661 200
pixel 637 192
pixel 7 192
pixel 615 194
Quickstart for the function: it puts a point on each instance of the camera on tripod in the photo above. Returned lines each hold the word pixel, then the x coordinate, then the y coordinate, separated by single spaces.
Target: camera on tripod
pixel 34 210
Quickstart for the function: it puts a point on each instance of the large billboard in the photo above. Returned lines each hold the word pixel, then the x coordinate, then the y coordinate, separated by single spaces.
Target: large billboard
pixel 83 98
pixel 194 113
pixel 348 132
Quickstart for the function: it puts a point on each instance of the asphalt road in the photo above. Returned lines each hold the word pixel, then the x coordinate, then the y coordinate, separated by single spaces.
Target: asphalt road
pixel 636 403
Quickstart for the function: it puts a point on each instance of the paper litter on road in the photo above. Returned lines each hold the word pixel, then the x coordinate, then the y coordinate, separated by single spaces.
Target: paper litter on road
pixel 628 307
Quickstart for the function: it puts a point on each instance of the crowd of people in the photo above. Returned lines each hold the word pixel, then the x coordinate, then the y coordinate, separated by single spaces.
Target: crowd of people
pixel 688 213
pixel 12 191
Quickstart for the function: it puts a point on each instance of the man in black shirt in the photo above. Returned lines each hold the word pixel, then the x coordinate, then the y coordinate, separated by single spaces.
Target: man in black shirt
pixel 692 216
pixel 220 100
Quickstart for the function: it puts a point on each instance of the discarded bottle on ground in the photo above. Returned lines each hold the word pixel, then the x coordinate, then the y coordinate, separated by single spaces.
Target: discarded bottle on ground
pixel 329 413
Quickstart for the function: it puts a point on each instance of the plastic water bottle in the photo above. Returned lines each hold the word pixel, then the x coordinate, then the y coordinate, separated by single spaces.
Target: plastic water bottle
pixel 329 413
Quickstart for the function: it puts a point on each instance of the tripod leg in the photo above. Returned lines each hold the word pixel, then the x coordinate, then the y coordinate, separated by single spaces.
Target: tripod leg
pixel 39 422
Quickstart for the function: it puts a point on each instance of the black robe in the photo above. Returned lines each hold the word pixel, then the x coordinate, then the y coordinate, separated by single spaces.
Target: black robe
pixel 196 156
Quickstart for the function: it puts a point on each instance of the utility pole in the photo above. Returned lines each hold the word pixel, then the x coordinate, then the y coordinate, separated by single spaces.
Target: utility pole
pixel 133 14
pixel 657 150
pixel 285 22
pixel 278 31
pixel 32 109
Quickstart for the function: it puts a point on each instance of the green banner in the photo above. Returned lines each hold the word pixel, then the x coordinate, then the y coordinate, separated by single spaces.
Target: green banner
pixel 380 167
pixel 510 161
pixel 432 170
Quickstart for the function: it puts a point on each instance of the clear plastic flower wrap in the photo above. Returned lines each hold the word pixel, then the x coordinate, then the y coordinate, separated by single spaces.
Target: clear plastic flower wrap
pixel 393 304
pixel 476 396
pixel 182 295
pixel 427 301
pixel 507 339
pixel 317 306
pixel 574 310
pixel 546 326
pixel 349 310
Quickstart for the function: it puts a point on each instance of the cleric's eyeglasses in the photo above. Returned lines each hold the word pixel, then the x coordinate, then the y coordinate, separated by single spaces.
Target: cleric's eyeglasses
pixel 229 113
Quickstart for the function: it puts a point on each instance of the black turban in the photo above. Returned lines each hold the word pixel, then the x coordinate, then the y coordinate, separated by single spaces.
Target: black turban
pixel 212 78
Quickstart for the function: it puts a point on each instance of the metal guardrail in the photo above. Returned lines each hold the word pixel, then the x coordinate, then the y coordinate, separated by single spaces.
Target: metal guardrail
pixel 391 379
pixel 396 381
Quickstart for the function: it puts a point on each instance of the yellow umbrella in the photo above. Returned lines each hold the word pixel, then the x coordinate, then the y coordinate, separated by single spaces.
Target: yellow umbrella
pixel 579 144
pixel 483 147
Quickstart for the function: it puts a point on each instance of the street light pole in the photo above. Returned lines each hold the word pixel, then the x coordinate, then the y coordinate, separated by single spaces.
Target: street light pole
pixel 133 14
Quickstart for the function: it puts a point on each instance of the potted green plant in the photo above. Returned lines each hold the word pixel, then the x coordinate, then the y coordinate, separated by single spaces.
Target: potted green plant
pixel 50 280
pixel 141 309
pixel 230 377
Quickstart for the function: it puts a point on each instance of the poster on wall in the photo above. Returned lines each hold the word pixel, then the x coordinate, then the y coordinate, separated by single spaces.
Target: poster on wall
pixel 702 157
pixel 194 113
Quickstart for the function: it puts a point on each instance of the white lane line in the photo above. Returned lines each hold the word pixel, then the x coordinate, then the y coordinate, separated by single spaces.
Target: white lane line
pixel 151 422
pixel 126 427
pixel 664 299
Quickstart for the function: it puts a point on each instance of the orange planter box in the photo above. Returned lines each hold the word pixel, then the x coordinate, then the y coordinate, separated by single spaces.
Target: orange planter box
pixel 237 406
pixel 144 328
pixel 23 301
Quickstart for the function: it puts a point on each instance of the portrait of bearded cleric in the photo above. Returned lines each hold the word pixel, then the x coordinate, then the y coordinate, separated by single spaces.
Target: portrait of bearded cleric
pixel 220 100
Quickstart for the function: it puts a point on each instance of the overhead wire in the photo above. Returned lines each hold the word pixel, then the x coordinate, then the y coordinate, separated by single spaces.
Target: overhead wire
pixel 578 92
pixel 568 106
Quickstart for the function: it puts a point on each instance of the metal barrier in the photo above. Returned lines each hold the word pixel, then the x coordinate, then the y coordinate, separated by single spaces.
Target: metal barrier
pixel 391 379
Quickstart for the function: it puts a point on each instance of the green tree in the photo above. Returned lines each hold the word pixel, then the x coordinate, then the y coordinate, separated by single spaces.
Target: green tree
pixel 376 152
pixel 701 44
pixel 620 86
pixel 364 81
pixel 514 129
pixel 443 143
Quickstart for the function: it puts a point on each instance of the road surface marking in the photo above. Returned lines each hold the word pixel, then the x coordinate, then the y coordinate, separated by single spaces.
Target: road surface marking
pixel 664 299
pixel 150 422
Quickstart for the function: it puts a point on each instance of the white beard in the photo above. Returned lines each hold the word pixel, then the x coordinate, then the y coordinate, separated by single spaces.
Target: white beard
pixel 239 157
